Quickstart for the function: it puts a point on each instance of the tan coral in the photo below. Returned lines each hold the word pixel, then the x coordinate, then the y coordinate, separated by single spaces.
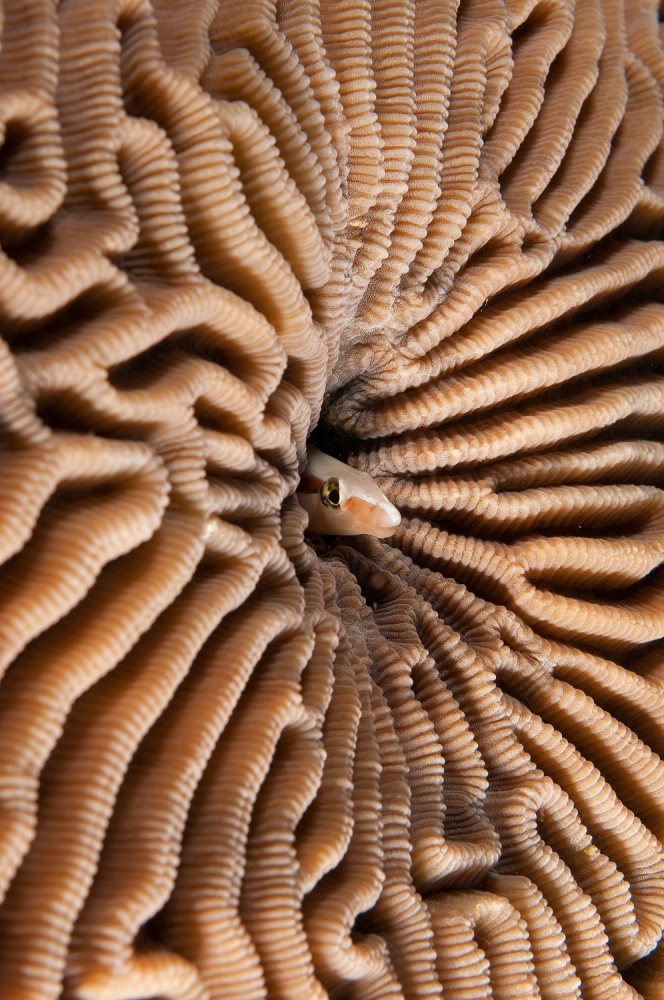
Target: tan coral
pixel 238 763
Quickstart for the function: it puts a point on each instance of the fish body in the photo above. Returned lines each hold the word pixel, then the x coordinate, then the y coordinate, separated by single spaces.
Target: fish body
pixel 341 500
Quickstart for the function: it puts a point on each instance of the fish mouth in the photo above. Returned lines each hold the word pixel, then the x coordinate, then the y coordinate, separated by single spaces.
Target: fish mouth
pixel 385 519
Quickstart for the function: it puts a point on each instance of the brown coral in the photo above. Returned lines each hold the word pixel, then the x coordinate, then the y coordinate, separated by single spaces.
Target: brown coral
pixel 236 765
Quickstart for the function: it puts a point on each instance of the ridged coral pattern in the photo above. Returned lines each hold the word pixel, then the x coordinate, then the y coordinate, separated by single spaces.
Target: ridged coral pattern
pixel 237 764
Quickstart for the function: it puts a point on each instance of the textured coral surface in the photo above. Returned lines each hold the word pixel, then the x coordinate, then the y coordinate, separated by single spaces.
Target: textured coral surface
pixel 238 764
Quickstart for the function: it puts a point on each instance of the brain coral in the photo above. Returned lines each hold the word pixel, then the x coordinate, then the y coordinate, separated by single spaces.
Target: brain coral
pixel 237 763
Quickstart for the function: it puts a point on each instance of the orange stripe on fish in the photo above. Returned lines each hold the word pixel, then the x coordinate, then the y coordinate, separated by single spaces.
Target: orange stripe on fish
pixel 309 483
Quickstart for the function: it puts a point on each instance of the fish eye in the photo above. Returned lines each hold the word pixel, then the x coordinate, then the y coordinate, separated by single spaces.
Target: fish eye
pixel 330 494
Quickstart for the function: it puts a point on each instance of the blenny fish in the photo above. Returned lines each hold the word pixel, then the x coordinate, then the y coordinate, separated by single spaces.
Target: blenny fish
pixel 343 501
